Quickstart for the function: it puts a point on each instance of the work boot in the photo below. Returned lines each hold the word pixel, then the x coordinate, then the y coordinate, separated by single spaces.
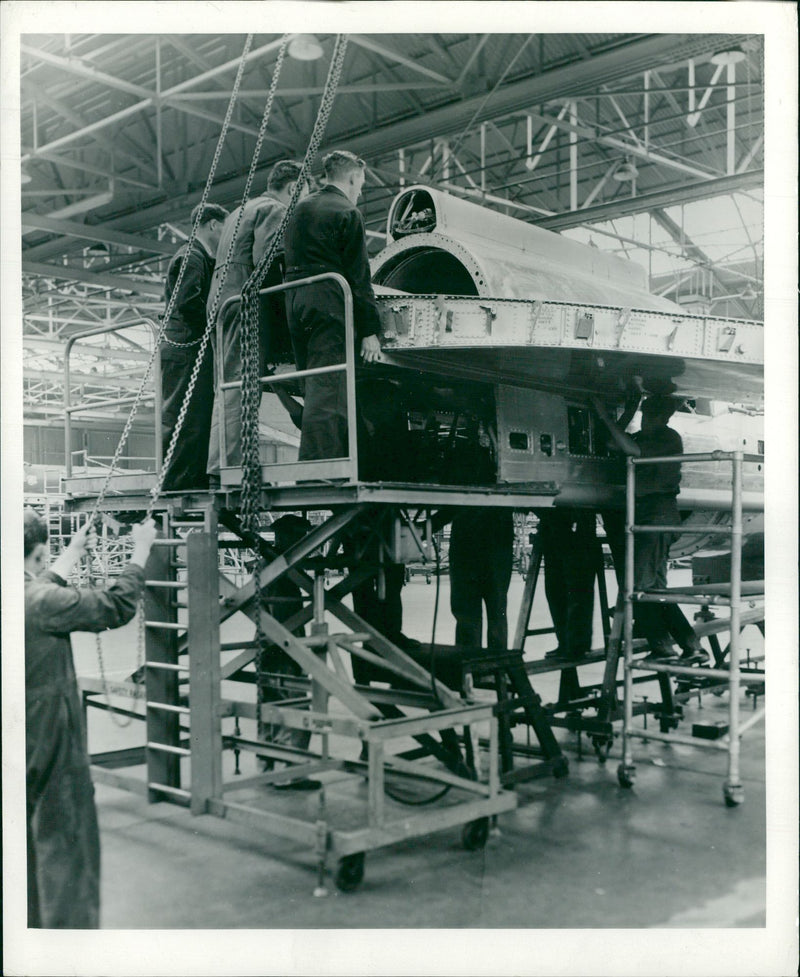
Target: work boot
pixel 694 655
pixel 661 653
pixel 306 783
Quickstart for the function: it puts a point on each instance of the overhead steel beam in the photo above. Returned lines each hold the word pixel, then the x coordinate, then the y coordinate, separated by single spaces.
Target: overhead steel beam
pixel 371 45
pixel 76 66
pixel 148 101
pixel 691 250
pixel 99 279
pixel 55 347
pixel 634 57
pixel 83 379
pixel 95 232
pixel 108 172
pixel 633 149
pixel 667 197
pixel 66 111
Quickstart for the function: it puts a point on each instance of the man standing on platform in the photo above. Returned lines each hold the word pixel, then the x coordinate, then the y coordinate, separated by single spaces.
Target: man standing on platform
pixel 259 220
pixel 326 233
pixel 63 838
pixel 179 348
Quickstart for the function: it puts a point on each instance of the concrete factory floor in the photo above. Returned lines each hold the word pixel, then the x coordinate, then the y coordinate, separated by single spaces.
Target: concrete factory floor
pixel 580 852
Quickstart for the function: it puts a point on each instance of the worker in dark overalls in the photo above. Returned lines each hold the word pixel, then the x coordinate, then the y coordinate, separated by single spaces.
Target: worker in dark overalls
pixel 657 488
pixel 567 539
pixel 569 549
pixel 481 556
pixel 481 553
pixel 326 233
pixel 62 833
pixel 258 220
pixel 179 347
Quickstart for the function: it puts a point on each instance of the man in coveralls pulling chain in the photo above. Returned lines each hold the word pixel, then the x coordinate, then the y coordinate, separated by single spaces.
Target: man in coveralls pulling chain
pixel 63 839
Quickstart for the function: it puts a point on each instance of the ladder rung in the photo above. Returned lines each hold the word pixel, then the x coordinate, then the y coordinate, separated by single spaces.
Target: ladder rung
pixel 177 791
pixel 166 748
pixel 171 584
pixel 238 645
pixel 683 530
pixel 745 678
pixel 681 597
pixel 169 542
pixel 166 707
pixel 166 625
pixel 167 666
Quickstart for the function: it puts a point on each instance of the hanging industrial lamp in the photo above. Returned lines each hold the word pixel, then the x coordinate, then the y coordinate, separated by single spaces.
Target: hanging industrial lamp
pixel 734 55
pixel 304 47
pixel 626 172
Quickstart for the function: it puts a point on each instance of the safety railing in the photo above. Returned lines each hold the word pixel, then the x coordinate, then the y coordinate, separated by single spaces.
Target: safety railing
pixel 70 408
pixel 735 596
pixel 318 469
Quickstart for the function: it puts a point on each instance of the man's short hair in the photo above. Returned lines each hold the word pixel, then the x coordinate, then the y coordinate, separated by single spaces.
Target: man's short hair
pixel 339 163
pixel 35 529
pixel 282 174
pixel 208 212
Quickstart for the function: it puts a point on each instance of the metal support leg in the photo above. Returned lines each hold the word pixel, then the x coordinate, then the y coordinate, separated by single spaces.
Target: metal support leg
pixel 204 670
pixel 732 789
pixel 626 770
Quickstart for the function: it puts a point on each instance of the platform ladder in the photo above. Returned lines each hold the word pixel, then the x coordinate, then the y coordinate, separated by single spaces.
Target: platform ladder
pixel 569 710
pixel 746 602
pixel 170 734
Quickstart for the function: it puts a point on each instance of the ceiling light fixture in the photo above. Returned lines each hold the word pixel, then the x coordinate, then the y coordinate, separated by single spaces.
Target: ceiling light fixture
pixel 304 47
pixel 626 172
pixel 734 55
pixel 98 250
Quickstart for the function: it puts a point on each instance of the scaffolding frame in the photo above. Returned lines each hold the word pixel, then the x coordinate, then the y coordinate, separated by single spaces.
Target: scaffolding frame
pixel 736 595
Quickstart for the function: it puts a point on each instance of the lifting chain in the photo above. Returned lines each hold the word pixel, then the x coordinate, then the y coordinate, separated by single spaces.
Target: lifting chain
pixel 251 385
pixel 250 499
pixel 156 491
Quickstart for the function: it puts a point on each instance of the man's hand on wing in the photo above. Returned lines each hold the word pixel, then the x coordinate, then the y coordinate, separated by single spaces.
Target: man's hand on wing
pixel 370 349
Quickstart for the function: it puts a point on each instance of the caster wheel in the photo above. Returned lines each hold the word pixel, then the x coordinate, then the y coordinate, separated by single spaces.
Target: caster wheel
pixel 734 795
pixel 560 767
pixel 475 834
pixel 602 747
pixel 350 872
pixel 625 775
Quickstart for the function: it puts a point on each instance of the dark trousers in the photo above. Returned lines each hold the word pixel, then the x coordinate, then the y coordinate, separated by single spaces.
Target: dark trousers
pixel 568 546
pixel 231 354
pixel 614 526
pixel 63 840
pixel 385 615
pixel 661 624
pixel 317 329
pixel 481 557
pixel 187 469
pixel 272 659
